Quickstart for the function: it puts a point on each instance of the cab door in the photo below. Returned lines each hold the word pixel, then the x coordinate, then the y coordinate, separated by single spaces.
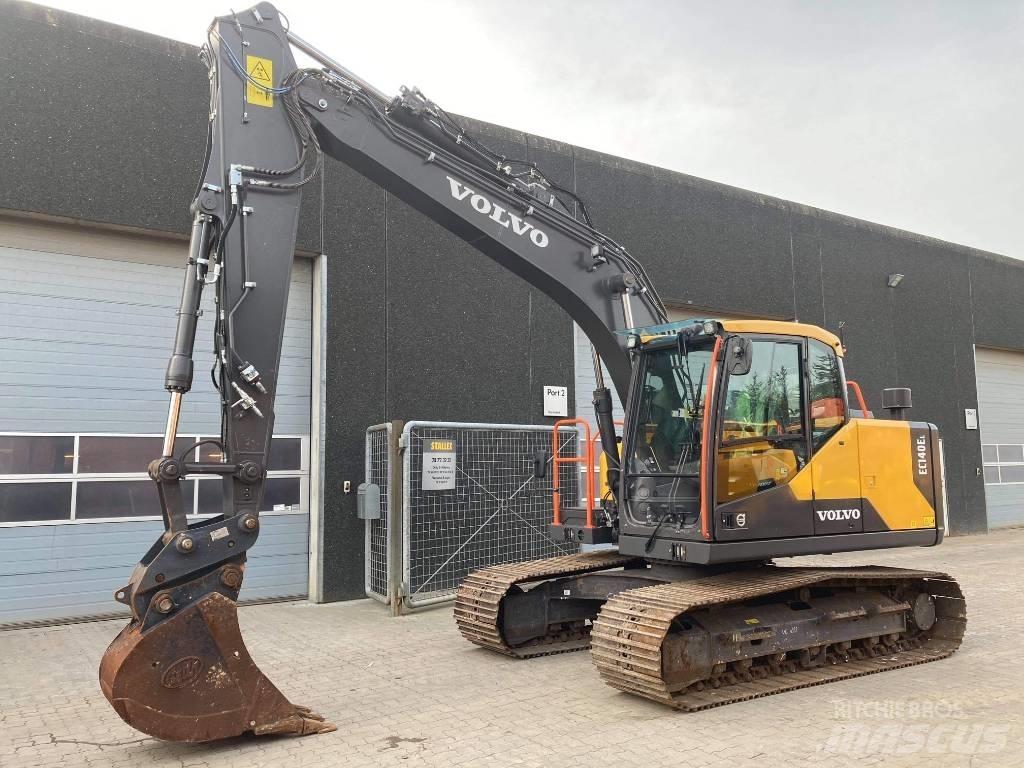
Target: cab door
pixel 761 490
pixel 835 449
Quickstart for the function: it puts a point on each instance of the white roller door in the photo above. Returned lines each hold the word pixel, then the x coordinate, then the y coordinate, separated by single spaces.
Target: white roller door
pixel 1001 419
pixel 86 324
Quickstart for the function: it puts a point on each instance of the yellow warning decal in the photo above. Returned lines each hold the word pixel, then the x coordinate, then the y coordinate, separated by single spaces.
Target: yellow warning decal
pixel 751 621
pixel 262 71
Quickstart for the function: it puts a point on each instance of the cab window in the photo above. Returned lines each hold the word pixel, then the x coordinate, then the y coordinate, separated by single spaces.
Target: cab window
pixel 762 440
pixel 670 411
pixel 828 407
pixel 765 402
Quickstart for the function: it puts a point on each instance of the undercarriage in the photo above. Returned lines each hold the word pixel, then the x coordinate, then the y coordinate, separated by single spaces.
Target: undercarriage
pixel 693 638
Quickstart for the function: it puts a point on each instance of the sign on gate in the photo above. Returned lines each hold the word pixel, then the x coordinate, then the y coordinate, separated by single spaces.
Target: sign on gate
pixel 439 465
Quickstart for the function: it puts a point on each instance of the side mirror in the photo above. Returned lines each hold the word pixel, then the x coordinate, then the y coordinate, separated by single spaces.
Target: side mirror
pixel 540 464
pixel 738 355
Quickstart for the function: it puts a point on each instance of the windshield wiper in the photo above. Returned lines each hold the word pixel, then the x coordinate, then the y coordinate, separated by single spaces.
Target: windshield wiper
pixel 654 533
pixel 684 455
pixel 684 369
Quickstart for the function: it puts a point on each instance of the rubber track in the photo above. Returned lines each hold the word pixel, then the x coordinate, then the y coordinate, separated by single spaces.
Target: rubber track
pixel 628 634
pixel 478 601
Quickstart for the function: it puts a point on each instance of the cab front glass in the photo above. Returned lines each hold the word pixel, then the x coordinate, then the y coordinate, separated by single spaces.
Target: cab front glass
pixel 664 471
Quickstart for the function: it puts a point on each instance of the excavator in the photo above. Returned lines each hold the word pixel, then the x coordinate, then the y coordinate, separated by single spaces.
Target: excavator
pixel 739 443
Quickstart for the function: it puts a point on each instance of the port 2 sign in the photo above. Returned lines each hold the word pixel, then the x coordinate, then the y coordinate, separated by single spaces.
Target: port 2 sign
pixel 556 401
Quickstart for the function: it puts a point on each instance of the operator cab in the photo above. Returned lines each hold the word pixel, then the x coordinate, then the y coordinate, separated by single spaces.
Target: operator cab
pixel 759 434
pixel 740 444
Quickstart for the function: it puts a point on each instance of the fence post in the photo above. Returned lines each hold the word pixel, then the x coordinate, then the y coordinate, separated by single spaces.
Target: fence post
pixel 396 526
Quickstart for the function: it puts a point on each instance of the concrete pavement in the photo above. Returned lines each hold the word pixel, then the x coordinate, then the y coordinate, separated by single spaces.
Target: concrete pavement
pixel 410 691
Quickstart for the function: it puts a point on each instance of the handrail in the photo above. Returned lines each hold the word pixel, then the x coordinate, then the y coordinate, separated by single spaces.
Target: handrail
pixel 860 397
pixel 556 461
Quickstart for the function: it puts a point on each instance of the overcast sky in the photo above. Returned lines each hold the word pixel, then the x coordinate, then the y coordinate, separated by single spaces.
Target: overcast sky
pixel 904 113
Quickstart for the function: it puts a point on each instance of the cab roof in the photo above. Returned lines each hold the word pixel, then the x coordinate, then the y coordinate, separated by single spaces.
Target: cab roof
pixel 766 327
pixel 784 328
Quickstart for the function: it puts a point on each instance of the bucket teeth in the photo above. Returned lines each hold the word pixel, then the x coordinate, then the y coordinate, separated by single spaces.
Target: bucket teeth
pixel 302 722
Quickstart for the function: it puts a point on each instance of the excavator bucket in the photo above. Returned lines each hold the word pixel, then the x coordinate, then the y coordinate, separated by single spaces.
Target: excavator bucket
pixel 191 678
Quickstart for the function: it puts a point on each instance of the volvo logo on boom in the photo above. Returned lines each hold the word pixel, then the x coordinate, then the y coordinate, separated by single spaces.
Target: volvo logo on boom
pixel 496 213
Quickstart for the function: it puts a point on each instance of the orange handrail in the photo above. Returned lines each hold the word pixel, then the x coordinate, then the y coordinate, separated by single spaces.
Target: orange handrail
pixel 860 397
pixel 710 402
pixel 556 461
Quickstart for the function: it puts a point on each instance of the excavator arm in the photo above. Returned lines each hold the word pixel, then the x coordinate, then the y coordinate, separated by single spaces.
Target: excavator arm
pixel 180 670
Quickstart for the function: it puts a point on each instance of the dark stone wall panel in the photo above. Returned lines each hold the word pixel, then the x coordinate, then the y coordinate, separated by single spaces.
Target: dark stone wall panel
pixel 965 484
pixel 356 364
pixel 700 249
pixel 807 260
pixel 550 328
pixel 932 340
pixel 852 286
pixel 105 124
pixel 457 350
pixel 995 285
pixel 97 127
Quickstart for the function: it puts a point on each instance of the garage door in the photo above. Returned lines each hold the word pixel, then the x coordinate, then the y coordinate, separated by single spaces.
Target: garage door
pixel 1001 417
pixel 83 346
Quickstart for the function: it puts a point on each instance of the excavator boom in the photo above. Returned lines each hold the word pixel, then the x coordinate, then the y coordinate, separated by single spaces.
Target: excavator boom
pixel 180 670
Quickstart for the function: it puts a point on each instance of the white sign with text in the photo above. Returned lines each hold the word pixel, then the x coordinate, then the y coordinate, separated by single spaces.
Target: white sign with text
pixel 971 418
pixel 438 465
pixel 556 401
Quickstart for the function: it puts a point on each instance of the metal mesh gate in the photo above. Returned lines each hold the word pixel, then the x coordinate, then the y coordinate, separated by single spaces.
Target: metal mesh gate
pixel 490 510
pixel 377 472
